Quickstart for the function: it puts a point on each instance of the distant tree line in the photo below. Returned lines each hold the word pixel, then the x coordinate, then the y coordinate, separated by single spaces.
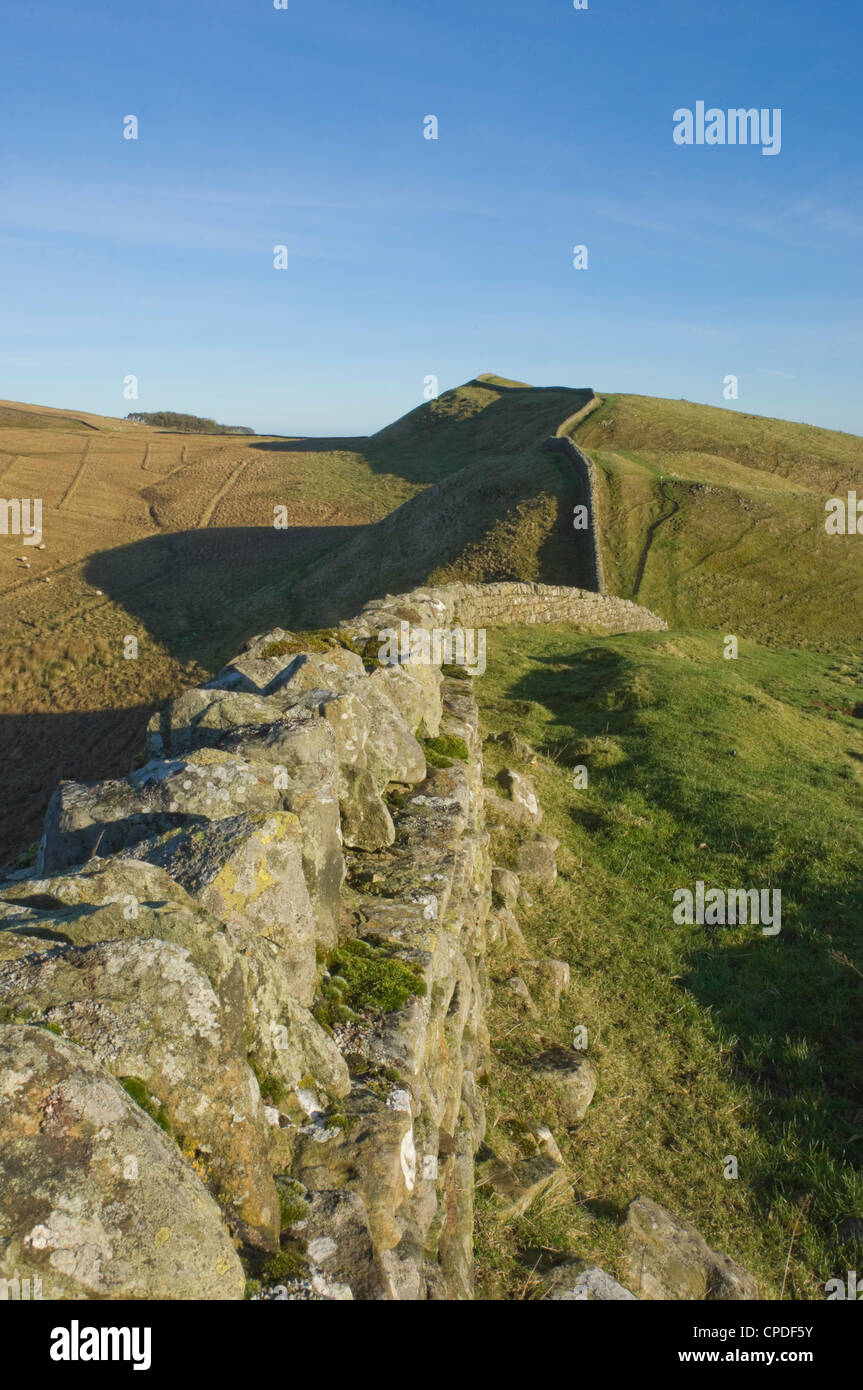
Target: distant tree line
pixel 184 424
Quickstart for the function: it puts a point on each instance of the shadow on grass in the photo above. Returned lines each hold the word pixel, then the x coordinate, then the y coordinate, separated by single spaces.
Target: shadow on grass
pixel 200 595
pixel 324 445
pixel 39 750
pixel 199 591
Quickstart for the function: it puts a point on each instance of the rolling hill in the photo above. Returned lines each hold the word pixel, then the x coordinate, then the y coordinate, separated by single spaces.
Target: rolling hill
pixel 709 517
pixel 715 518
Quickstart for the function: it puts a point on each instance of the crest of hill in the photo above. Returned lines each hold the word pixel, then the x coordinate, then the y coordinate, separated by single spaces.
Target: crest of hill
pixel 714 517
pixel 487 416
pixel 707 516
pixel 16 415
pixel 498 507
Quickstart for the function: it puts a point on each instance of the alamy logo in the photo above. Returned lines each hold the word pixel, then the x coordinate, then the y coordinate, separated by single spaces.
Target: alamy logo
pixel 844 519
pixel 422 646
pixel 15 519
pixel 849 1287
pixel 20 1290
pixel 736 906
pixel 77 1343
pixel 737 126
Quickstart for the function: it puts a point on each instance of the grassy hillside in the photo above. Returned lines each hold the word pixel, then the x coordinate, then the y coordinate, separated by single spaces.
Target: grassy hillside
pixel 709 1041
pixel 507 517
pixel 716 518
pixel 487 417
pixel 744 773
pixel 710 517
pixel 170 538
pixel 495 505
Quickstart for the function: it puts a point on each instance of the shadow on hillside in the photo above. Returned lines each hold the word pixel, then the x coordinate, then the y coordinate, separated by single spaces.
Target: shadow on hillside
pixel 565 556
pixel 786 1008
pixel 464 529
pixel 332 445
pixel 794 1010
pixel 193 590
pixel 201 595
pixel 584 692
pixel 39 750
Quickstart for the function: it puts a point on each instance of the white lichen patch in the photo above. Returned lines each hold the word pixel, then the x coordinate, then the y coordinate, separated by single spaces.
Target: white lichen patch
pixel 400 1100
pixel 321 1249
pixel 79 1246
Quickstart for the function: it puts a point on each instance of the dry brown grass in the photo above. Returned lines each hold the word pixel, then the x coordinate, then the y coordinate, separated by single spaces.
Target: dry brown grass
pixel 165 537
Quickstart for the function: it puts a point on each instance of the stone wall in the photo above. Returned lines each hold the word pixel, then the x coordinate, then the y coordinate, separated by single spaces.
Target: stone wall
pixel 585 468
pixel 496 605
pixel 242 996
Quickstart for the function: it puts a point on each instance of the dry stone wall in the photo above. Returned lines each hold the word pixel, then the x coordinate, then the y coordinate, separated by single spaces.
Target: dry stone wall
pixel 585 468
pixel 242 996
pixel 495 605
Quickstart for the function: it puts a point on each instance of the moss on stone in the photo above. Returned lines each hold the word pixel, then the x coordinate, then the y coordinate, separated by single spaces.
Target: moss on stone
pixel 292 1204
pixel 375 1076
pixel 8 1014
pixel 443 750
pixel 140 1093
pixel 288 1263
pixel 366 977
pixel 272 1088
pixel 357 1063
pixel 29 1017
pixel 28 858
pixel 322 640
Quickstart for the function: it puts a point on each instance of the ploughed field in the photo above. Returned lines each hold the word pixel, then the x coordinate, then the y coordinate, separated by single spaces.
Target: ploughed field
pixel 144 533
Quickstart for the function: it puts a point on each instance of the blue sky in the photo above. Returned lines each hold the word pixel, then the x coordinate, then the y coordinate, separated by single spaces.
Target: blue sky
pixel 410 257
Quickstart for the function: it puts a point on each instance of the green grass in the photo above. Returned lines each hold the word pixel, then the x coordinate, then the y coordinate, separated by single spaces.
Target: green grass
pixel 743 774
pixel 711 517
pixel 272 1087
pixel 709 1042
pixel 716 518
pixel 487 417
pixel 443 750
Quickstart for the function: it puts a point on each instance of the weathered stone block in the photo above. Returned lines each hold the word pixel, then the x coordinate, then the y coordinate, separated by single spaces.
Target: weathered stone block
pixel 94 1199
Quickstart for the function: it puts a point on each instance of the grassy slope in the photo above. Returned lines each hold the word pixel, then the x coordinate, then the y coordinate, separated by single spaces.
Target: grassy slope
pixel 458 488
pixel 486 417
pixel 709 1042
pixel 742 544
pixel 495 505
